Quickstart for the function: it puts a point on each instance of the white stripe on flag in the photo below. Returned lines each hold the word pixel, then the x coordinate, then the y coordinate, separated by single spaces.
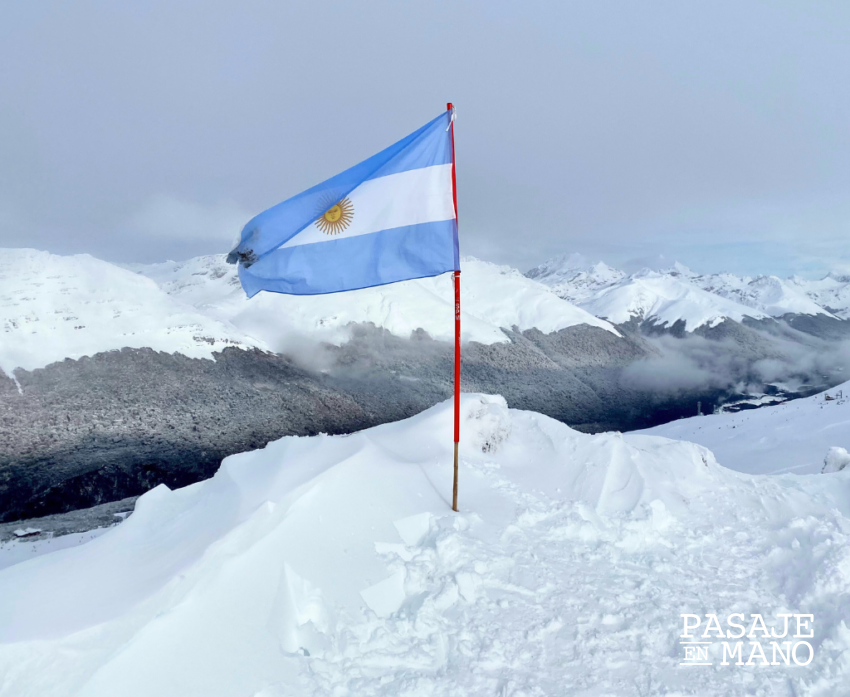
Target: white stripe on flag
pixel 408 198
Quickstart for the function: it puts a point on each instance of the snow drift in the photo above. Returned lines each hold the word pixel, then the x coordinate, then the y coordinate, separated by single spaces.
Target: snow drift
pixel 332 565
pixel 792 436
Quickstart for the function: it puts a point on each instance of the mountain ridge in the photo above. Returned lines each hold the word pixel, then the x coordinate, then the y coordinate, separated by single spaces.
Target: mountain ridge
pixel 677 293
pixel 54 307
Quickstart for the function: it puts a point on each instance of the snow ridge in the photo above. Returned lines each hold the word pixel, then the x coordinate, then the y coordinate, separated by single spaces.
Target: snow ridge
pixel 792 436
pixel 680 294
pixel 664 299
pixel 494 297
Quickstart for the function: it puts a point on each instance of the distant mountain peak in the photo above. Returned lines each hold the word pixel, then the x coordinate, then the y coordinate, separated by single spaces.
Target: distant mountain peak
pixel 666 293
pixel 559 265
pixel 840 276
pixel 680 269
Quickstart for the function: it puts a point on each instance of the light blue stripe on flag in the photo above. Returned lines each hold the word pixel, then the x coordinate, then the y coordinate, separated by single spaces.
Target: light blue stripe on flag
pixel 397 223
pixel 400 254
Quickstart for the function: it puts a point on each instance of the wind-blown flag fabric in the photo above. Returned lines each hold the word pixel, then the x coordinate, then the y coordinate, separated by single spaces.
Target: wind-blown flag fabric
pixel 390 218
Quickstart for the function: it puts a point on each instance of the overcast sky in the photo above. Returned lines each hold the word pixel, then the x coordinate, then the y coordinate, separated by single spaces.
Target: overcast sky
pixel 714 133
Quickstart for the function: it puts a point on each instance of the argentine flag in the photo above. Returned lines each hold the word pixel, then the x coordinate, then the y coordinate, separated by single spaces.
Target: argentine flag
pixel 390 218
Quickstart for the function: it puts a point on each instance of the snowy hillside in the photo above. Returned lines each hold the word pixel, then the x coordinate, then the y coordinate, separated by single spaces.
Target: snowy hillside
pixel 492 297
pixel 573 278
pixel 677 293
pixel 56 307
pixel 332 565
pixel 769 294
pixel 789 437
pixel 664 299
pixel 831 292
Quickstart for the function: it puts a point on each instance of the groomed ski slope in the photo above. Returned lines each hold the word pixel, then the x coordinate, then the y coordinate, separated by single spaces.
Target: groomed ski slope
pixel 793 436
pixel 333 566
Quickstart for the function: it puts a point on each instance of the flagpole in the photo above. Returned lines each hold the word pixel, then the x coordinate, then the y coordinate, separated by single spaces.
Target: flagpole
pixel 456 277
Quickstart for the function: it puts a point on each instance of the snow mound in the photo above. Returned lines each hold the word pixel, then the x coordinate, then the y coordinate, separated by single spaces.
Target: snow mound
pixel 493 297
pixel 788 437
pixel 664 299
pixel 55 307
pixel 836 460
pixel 332 565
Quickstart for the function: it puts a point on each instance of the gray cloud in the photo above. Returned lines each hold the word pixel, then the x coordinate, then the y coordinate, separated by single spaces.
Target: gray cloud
pixel 696 363
pixel 701 131
pixel 689 363
pixel 165 217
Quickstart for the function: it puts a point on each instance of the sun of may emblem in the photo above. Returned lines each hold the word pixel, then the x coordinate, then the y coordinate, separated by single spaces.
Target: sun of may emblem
pixel 336 218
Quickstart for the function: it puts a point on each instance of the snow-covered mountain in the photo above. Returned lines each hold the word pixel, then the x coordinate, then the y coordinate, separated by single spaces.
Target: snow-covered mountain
pixel 679 294
pixel 791 436
pixel 55 307
pixel 571 277
pixel 664 299
pixel 769 294
pixel 333 565
pixel 832 292
pixel 492 297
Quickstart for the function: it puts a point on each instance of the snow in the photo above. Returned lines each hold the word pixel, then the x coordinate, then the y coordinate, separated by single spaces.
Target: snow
pixel 831 292
pixel 26 532
pixel 836 460
pixel 493 297
pixel 666 299
pixel 333 566
pixel 793 436
pixel 14 551
pixel 573 278
pixel 55 307
pixel 678 293
pixel 769 294
pixel 663 297
pixel 679 269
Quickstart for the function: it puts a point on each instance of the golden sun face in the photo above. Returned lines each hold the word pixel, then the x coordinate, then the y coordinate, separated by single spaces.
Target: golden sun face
pixel 336 218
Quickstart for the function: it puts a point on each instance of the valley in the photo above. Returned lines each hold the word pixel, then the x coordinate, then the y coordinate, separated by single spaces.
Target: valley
pixel 163 370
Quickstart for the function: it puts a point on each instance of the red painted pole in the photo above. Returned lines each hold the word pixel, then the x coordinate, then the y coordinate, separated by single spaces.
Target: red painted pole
pixel 456 276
